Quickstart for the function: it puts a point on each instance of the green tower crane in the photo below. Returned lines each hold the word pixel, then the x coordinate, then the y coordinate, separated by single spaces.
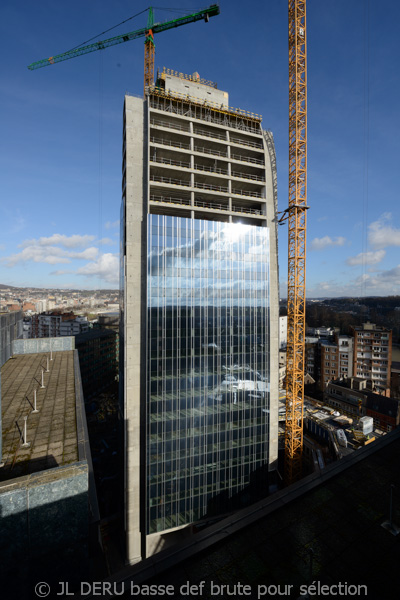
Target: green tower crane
pixel 147 32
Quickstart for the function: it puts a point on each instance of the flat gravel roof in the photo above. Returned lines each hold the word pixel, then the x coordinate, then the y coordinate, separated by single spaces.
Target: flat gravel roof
pixel 52 432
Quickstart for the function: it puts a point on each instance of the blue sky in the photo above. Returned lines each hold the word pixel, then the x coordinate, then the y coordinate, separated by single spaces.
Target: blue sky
pixel 61 131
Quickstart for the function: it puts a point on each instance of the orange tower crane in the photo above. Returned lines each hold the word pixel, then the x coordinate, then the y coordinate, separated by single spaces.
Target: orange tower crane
pixel 296 216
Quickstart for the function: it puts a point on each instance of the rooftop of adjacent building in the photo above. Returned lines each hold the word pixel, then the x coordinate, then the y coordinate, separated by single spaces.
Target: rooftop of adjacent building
pixel 376 402
pixel 52 432
pixel 65 316
pixel 94 334
pixel 328 343
pixel 351 383
pixel 109 318
pixel 371 327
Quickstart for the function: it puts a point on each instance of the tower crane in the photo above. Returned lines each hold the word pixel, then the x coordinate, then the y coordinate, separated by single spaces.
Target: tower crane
pixel 147 32
pixel 296 217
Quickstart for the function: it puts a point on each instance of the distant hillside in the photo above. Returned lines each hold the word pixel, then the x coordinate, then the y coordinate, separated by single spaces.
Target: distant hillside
pixel 7 287
pixel 346 313
pixel 61 290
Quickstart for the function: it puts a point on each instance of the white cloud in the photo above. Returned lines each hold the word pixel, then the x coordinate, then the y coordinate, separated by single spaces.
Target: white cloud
pixel 326 242
pixel 105 267
pixel 71 241
pixel 366 258
pixel 105 242
pixel 49 254
pixel 381 234
pixel 57 249
pixel 111 224
pixel 38 254
pixel 88 254
pixel 62 272
pixel 383 283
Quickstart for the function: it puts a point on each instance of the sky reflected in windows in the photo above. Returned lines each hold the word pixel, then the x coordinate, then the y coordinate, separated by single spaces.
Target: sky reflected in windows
pixel 207 368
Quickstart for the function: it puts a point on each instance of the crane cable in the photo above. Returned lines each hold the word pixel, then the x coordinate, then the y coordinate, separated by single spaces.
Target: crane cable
pixel 125 21
pixel 101 94
pixel 107 30
pixel 366 146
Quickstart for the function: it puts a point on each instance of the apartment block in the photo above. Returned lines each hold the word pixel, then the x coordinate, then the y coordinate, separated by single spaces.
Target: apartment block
pixel 373 356
pixel 336 359
pixel 57 324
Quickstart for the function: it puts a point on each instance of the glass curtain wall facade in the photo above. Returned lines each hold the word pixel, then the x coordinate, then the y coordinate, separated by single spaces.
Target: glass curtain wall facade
pixel 208 395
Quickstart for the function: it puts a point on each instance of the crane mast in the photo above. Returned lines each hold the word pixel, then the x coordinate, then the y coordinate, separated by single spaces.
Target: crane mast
pixel 296 214
pixel 149 53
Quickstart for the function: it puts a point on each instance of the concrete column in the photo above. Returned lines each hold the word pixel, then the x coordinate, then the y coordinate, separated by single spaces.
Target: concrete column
pixel 191 137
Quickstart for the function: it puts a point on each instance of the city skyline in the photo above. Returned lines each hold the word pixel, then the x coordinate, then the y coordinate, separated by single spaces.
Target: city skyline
pixel 63 134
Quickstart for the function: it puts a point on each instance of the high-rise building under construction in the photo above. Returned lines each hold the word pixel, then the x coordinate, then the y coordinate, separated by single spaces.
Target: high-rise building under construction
pixel 199 307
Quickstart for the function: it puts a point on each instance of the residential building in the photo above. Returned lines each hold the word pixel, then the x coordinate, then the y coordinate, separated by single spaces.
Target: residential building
pixel 28 306
pixel 312 357
pixel 74 326
pixel 322 333
pixel 56 324
pixel 41 306
pixel 13 307
pixel 373 356
pixel 315 337
pixel 336 359
pixel 345 355
pixel 199 309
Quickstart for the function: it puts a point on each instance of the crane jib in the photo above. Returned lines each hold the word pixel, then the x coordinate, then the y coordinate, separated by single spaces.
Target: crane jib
pixel 205 14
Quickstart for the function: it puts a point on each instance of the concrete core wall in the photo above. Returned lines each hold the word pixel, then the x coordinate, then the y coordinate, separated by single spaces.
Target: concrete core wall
pixel 197 90
pixel 272 200
pixel 134 245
